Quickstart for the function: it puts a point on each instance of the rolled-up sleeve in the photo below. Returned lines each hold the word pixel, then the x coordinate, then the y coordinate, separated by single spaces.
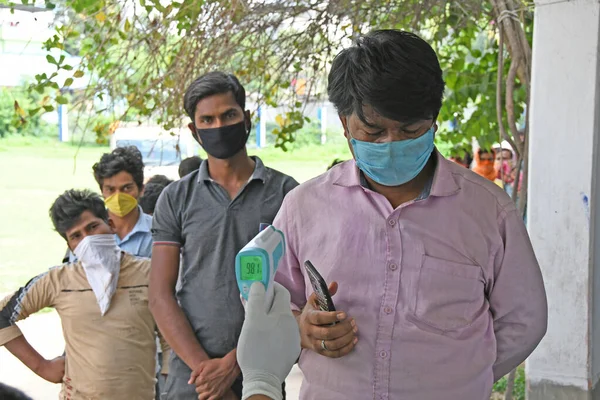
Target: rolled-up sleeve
pixel 166 221
pixel 517 298
pixel 288 272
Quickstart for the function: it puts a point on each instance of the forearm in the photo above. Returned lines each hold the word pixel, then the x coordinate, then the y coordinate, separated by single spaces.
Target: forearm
pixel 515 345
pixel 20 348
pixel 259 397
pixel 177 331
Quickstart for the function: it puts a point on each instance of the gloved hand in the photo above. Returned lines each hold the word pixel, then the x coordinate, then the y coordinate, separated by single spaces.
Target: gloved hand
pixel 269 344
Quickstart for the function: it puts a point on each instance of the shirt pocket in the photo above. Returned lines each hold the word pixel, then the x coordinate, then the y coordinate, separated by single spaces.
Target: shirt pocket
pixel 449 295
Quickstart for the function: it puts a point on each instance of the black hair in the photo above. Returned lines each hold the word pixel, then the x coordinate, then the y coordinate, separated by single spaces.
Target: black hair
pixel 462 151
pixel 159 179
pixel 151 193
pixel 209 84
pixel 189 165
pixel 68 207
pixel 395 72
pixel 128 159
pixel 334 163
pixel 468 159
pixel 10 393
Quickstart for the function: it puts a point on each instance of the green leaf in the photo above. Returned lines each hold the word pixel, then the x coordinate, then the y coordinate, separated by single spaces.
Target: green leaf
pixel 48 108
pixel 78 74
pixel 67 67
pixel 51 59
pixel 61 100
pixel 34 111
pixel 68 82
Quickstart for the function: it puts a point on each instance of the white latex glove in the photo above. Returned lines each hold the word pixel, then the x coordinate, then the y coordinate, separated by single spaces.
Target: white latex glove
pixel 269 344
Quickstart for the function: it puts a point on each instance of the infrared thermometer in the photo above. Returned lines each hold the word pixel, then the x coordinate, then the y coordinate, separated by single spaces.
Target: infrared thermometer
pixel 257 262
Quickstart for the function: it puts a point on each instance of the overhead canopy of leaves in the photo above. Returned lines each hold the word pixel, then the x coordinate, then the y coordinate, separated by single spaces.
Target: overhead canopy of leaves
pixel 140 55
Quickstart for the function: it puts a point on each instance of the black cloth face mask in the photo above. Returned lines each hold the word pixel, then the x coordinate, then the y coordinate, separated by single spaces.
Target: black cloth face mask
pixel 225 141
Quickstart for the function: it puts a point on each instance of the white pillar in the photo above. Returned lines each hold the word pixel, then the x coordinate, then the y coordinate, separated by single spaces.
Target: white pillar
pixel 324 123
pixel 63 123
pixel 563 193
pixel 263 126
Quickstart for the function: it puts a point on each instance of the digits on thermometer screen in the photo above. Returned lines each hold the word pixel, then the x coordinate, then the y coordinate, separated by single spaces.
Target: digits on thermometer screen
pixel 258 261
pixel 251 268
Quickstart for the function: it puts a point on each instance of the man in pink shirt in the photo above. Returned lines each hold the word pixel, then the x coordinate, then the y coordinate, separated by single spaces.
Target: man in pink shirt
pixel 437 289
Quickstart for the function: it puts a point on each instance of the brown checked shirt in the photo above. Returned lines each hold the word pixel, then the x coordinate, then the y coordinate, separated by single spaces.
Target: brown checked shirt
pixel 107 357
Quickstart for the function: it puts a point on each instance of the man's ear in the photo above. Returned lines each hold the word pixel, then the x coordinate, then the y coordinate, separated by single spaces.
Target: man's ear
pixel 344 121
pixel 192 128
pixel 248 119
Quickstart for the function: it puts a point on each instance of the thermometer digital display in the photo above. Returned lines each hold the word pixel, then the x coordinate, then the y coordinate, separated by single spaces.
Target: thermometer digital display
pixel 251 268
pixel 258 261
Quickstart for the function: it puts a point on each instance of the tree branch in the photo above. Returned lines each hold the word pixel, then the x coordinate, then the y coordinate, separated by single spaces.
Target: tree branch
pixel 510 106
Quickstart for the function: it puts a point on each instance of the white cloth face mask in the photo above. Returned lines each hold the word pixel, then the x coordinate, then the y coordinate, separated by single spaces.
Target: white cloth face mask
pixel 101 260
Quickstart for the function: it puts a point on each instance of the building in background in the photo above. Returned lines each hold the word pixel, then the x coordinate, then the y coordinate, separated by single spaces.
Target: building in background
pixel 23 31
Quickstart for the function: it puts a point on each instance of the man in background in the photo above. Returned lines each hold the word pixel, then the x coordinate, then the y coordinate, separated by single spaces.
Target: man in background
pixel 158 179
pixel 102 301
pixel 151 194
pixel 120 175
pixel 209 215
pixel 189 165
pixel 152 191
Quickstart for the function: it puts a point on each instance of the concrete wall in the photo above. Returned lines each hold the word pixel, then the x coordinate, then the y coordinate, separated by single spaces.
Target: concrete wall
pixel 564 122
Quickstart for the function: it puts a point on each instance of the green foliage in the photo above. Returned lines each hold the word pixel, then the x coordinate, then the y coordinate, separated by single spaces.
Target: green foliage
pixel 14 117
pixel 519 388
pixel 139 58
pixel 470 62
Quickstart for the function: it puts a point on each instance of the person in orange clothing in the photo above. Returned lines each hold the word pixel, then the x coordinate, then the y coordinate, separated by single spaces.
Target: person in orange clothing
pixel 484 165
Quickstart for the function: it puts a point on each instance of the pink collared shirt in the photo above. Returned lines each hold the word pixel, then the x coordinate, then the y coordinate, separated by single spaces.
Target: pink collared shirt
pixel 446 291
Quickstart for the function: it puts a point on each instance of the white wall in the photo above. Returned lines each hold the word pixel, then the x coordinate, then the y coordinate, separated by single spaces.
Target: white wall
pixel 22 35
pixel 563 123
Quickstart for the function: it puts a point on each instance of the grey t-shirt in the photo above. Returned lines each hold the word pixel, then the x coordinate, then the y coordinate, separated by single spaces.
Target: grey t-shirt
pixel 197 213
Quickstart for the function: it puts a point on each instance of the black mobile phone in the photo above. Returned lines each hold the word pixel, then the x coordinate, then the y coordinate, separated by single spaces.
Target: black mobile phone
pixel 320 287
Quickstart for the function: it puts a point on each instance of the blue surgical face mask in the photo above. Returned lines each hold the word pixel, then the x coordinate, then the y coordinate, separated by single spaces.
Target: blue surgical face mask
pixel 393 163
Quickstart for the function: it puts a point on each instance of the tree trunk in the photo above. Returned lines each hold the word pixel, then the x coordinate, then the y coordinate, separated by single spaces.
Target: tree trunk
pixel 511 31
pixel 510 385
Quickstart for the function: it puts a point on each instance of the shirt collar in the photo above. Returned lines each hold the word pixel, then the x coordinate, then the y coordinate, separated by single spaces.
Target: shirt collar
pixel 442 184
pixel 143 224
pixel 260 172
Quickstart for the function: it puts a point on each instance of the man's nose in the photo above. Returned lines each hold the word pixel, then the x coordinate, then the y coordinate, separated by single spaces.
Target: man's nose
pixel 219 123
pixel 83 236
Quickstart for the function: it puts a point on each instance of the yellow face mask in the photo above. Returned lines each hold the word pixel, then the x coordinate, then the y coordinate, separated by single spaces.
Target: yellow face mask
pixel 121 204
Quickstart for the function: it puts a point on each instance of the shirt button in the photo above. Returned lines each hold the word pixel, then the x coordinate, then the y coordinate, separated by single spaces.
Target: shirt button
pixel 393 267
pixel 382 354
pixel 392 222
pixel 388 310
